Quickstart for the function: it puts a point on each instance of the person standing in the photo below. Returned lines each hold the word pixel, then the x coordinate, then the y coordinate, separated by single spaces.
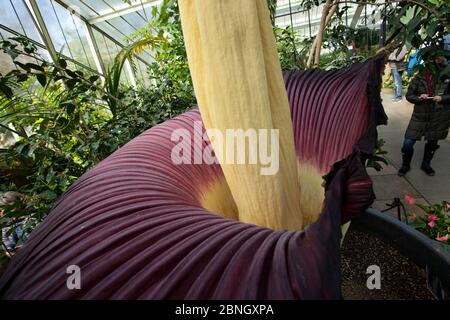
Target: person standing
pixel 413 62
pixel 430 93
pixel 397 66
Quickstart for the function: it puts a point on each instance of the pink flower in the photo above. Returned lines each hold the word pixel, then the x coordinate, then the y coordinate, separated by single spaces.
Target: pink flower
pixel 447 206
pixel 432 217
pixel 432 224
pixel 409 199
pixel 448 229
pixel 444 238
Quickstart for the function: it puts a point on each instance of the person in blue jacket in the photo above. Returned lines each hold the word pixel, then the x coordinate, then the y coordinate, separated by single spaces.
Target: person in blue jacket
pixel 414 60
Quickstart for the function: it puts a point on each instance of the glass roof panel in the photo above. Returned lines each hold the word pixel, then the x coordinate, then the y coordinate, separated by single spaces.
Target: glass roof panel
pixel 108 49
pixel 26 20
pixel 136 19
pixel 112 31
pixel 98 6
pixel 9 17
pixel 83 8
pixel 121 24
pixel 14 15
pixel 6 64
pixel 116 4
pixel 67 21
pixel 50 10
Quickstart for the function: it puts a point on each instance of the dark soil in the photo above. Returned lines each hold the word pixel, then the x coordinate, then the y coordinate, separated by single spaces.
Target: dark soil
pixel 401 279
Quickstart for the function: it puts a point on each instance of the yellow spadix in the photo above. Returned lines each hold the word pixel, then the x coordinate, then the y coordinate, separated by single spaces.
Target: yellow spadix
pixel 238 83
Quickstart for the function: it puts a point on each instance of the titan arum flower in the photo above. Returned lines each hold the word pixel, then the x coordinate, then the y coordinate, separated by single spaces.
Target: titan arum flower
pixel 140 226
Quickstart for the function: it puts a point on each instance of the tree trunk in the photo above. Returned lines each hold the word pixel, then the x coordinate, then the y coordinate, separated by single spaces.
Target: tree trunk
pixel 327 13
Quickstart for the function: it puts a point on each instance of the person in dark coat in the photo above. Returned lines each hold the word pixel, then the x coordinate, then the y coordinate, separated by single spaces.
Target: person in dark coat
pixel 430 92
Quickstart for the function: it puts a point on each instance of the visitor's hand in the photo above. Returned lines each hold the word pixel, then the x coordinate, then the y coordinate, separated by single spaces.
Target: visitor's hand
pixel 423 96
pixel 437 98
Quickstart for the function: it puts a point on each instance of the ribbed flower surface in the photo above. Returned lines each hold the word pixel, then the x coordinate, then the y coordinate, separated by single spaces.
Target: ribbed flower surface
pixel 135 226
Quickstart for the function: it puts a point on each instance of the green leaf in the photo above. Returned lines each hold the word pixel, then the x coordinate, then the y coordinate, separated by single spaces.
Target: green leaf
pixel 416 224
pixel 60 77
pixel 29 50
pixel 7 91
pixel 42 78
pixel 23 66
pixel 21 147
pixel 431 30
pixel 22 77
pixel 426 209
pixel 70 107
pixel 71 73
pixel 48 195
pixel 13 54
pixel 414 23
pixel 94 78
pixel 79 73
pixel 10 231
pixel 71 83
pixel 35 67
pixel 62 63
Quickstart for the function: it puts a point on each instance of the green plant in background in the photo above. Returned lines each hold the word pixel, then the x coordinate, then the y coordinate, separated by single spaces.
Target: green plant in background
pixel 272 4
pixel 291 49
pixel 377 158
pixel 435 222
pixel 410 22
pixel 114 72
pixel 345 45
pixel 52 110
pixel 48 106
pixel 418 22
pixel 171 91
pixel 66 121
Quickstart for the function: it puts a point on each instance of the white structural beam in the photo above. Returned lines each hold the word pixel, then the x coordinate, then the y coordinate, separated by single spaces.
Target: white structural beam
pixel 93 47
pixel 41 28
pixel 357 15
pixel 130 72
pixel 136 5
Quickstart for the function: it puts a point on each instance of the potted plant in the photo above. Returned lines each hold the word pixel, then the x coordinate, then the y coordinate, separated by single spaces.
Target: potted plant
pixel 435 222
pixel 423 238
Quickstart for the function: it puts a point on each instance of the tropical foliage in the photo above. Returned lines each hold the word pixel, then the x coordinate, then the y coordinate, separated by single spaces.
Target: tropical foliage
pixel 410 22
pixel 52 110
pixel 64 121
pixel 433 222
pixel 292 50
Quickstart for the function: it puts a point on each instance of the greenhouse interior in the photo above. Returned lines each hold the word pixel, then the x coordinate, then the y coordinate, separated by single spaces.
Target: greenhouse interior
pixel 224 150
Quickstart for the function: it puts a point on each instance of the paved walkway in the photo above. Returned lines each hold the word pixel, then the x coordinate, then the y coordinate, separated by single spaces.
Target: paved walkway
pixel 416 183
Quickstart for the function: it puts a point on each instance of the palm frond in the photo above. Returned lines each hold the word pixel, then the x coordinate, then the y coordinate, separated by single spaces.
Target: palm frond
pixel 114 72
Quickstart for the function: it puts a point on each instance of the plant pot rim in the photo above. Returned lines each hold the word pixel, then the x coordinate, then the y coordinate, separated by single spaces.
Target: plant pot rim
pixel 425 252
